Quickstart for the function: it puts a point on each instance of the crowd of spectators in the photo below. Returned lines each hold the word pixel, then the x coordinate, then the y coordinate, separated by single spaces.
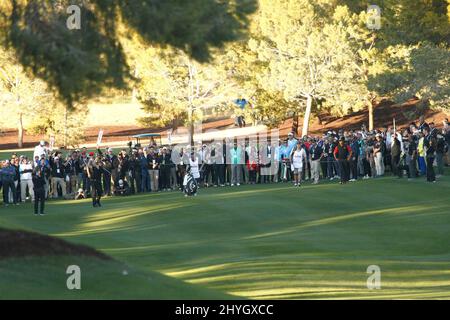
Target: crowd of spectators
pixel 346 155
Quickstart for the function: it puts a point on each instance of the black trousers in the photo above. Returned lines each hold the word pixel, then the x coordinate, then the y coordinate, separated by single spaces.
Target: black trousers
pixel 96 191
pixel 165 177
pixel 219 174
pixel 395 160
pixel 9 185
pixel 366 165
pixel 252 176
pixel 135 181
pixel 431 176
pixel 344 169
pixel 208 170
pixel 39 200
pixel 106 182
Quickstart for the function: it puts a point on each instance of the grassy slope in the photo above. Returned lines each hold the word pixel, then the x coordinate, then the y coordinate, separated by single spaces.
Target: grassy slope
pixel 270 241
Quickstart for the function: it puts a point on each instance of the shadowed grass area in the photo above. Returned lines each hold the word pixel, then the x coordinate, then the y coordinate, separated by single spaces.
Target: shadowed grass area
pixel 45 278
pixel 272 241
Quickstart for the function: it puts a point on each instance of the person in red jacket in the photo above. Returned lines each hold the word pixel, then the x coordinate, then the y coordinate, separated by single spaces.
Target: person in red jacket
pixel 342 154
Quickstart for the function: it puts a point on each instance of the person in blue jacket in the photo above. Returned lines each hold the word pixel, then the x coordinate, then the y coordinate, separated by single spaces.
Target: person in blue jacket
pixel 8 174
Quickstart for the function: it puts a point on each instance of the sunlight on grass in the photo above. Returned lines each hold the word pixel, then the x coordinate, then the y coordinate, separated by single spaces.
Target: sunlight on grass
pixel 340 218
pixel 116 220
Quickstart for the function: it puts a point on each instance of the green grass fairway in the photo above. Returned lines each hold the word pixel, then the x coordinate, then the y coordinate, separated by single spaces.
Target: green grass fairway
pixel 264 241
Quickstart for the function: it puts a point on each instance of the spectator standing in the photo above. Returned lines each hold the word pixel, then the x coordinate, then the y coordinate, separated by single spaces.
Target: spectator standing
pixel 218 164
pixel 441 150
pixel 411 157
pixel 38 178
pixel 354 159
pixel 26 179
pixel 235 154
pixel 421 151
pixel 144 165
pixel 395 156
pixel 73 170
pixel 8 173
pixel 166 163
pixel 430 143
pixel 154 163
pixel 316 153
pixel 298 160
pixel 379 150
pixel 39 150
pixel 58 175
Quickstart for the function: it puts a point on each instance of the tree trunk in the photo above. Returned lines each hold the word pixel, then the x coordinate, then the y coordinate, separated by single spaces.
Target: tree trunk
pixel 174 124
pixel 371 102
pixel 20 132
pixel 191 126
pixel 309 102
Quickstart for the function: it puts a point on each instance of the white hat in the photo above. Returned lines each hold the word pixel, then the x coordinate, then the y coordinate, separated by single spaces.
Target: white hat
pixel 42 143
pixel 121 182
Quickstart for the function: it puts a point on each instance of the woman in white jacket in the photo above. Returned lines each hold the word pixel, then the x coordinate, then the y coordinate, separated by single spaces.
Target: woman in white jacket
pixel 25 171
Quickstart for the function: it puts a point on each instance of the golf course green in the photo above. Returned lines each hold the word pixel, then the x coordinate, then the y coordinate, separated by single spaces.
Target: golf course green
pixel 269 241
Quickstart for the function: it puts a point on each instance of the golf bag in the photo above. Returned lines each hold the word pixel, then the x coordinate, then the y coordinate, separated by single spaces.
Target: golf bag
pixel 190 185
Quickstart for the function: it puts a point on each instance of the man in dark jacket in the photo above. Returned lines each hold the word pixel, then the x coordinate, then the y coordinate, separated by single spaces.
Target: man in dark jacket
pixel 8 173
pixel 134 167
pixel 395 156
pixel 166 163
pixel 58 173
pixel 39 191
pixel 430 143
pixel 73 170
